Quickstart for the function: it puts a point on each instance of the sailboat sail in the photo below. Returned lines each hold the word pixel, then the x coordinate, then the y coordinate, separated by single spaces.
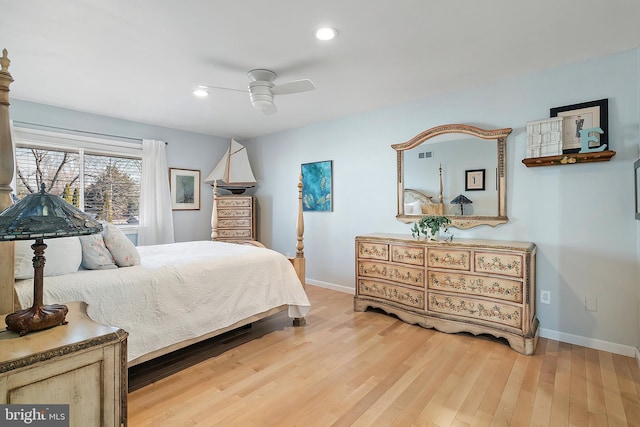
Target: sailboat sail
pixel 233 170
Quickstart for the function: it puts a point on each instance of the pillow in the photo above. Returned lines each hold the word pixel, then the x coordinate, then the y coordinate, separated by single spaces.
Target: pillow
pixel 412 208
pixel 95 255
pixel 122 249
pixel 63 256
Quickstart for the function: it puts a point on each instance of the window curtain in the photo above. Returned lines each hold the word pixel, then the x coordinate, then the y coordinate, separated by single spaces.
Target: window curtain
pixel 156 217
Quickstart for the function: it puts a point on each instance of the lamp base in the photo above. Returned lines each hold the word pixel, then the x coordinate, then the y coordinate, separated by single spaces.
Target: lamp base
pixel 36 318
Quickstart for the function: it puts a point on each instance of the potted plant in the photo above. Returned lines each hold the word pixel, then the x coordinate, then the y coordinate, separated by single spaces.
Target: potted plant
pixel 430 226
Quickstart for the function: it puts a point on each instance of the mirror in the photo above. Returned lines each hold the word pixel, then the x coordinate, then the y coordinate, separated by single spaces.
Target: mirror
pixel 453 170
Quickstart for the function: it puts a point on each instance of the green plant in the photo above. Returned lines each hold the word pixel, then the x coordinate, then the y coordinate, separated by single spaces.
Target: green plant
pixel 431 223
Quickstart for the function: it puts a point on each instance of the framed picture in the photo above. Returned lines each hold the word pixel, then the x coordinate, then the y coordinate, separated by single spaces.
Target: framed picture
pixel 576 117
pixel 636 167
pixel 185 189
pixel 474 180
pixel 317 186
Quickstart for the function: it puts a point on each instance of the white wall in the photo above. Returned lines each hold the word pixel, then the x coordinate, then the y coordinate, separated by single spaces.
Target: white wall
pixel 580 216
pixel 186 150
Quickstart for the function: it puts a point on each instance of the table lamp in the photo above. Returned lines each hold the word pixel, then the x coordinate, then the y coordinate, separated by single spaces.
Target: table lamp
pixel 42 216
pixel 461 200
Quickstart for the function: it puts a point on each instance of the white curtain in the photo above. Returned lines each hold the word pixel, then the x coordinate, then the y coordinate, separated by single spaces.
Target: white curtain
pixel 156 217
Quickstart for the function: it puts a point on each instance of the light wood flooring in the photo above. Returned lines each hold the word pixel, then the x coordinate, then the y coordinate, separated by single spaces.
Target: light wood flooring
pixel 370 369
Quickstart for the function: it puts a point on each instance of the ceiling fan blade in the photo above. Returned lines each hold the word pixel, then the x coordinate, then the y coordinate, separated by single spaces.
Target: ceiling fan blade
pixel 223 88
pixel 293 87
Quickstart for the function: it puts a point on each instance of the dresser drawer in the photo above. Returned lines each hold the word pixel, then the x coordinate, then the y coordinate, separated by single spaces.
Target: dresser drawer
pixel 232 213
pixel 475 308
pixel 498 263
pixel 234 233
pixel 373 251
pixel 449 258
pixel 504 289
pixel 234 202
pixel 235 222
pixel 407 254
pixel 406 275
pixel 398 294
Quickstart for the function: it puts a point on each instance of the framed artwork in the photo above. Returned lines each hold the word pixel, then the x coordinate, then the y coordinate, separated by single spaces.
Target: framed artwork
pixel 636 167
pixel 317 186
pixel 594 114
pixel 474 180
pixel 185 189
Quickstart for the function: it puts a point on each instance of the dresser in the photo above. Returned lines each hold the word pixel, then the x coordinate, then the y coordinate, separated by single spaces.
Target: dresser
pixel 476 286
pixel 82 364
pixel 236 217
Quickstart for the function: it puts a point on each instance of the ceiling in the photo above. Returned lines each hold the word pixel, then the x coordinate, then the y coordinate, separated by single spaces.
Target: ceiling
pixel 140 60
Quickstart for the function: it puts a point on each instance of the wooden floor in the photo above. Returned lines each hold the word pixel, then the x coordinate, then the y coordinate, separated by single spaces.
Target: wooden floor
pixel 370 369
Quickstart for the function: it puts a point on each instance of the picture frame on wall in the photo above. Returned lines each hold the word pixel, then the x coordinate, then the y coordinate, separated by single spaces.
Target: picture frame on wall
pixel 586 115
pixel 636 167
pixel 474 180
pixel 185 189
pixel 317 186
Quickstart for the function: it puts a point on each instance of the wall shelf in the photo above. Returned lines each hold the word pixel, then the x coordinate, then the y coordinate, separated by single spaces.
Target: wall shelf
pixel 569 159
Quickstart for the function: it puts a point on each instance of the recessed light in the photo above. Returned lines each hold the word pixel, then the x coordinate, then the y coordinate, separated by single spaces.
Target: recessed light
pixel 326 33
pixel 201 91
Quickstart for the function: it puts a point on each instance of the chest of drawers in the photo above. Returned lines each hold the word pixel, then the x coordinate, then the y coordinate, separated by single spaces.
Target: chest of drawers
pixel 476 286
pixel 236 217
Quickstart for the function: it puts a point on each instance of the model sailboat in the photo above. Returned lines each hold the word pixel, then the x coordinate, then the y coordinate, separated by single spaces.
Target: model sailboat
pixel 233 171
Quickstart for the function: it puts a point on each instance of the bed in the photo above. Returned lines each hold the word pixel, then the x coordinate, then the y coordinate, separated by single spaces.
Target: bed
pixel 179 294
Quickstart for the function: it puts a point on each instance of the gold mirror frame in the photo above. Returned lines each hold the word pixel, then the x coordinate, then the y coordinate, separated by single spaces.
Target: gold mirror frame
pixel 462 222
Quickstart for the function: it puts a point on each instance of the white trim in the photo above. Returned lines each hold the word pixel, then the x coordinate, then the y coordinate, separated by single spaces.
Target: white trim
pixel 39 138
pixel 611 347
pixel 339 288
pixel 593 343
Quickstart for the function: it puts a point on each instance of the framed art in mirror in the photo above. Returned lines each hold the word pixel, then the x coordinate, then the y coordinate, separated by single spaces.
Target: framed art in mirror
pixel 474 180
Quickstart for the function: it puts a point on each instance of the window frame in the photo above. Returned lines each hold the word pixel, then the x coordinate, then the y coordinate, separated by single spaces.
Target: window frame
pixel 24 137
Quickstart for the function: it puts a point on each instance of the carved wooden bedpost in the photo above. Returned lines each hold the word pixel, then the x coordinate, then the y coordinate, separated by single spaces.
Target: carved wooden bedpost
pixel 299 260
pixel 6 175
pixel 214 213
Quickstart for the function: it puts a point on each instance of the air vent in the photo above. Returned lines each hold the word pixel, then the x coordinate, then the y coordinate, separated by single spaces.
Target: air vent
pixel 425 155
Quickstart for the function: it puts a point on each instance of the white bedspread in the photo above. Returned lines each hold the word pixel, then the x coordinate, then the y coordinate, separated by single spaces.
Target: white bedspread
pixel 179 291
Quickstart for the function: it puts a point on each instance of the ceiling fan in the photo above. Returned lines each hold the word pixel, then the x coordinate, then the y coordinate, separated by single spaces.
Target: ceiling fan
pixel 262 89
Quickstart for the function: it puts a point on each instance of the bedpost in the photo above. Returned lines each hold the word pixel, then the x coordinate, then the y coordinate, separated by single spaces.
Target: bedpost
pixel 214 213
pixel 299 260
pixel 299 263
pixel 6 176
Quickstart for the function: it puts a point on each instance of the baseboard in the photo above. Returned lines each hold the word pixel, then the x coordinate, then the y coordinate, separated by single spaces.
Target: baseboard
pixel 332 286
pixel 638 357
pixel 611 347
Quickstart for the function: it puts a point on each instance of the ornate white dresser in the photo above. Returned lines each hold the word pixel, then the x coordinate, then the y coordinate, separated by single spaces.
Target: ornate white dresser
pixel 476 286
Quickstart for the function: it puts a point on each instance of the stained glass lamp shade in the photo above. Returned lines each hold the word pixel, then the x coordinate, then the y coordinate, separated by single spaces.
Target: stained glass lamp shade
pixel 42 216
pixel 461 200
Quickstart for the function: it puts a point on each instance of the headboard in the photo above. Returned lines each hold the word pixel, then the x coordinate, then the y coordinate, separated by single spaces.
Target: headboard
pixel 427 206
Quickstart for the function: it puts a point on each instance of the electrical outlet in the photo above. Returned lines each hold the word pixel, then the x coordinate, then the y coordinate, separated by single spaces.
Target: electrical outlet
pixel 545 297
pixel 591 303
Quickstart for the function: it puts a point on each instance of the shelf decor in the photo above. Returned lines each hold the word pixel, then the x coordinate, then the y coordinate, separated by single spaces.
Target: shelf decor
pixel 581 123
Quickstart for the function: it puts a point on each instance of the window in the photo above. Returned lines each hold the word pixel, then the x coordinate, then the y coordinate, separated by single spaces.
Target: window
pixel 100 177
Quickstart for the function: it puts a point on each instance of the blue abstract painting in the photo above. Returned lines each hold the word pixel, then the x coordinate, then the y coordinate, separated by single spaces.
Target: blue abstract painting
pixel 317 186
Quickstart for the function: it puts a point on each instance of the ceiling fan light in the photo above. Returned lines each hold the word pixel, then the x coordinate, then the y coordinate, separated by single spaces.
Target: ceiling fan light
pixel 326 33
pixel 201 92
